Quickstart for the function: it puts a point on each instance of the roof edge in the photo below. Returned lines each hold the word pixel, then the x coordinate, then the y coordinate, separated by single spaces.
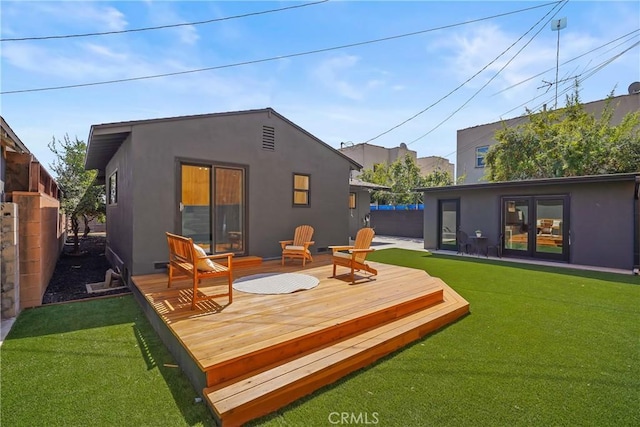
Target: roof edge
pixel 631 176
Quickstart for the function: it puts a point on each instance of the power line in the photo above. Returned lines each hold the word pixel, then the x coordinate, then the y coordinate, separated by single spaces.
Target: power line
pixel 591 72
pixel 567 62
pixel 257 61
pixel 160 27
pixel 496 74
pixel 458 87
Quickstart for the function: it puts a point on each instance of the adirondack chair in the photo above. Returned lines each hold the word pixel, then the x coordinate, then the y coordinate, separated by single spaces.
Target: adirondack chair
pixel 299 246
pixel 354 257
pixel 189 259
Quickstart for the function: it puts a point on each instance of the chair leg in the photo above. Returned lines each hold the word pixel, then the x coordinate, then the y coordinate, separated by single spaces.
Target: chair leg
pixel 195 292
pixel 230 289
pixel 334 270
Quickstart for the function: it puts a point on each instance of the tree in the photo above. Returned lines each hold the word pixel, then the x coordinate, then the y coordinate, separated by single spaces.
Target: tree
pixel 402 176
pixel 566 142
pixel 80 198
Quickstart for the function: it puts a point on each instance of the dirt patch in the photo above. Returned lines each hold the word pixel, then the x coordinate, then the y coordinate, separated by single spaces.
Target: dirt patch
pixel 74 272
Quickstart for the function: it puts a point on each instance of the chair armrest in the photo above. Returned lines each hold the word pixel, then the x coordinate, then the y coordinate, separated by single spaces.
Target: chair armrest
pixel 356 251
pixel 340 248
pixel 284 243
pixel 227 255
pixel 215 256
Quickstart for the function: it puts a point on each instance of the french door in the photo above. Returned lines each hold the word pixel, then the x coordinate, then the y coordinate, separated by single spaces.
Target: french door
pixel 212 206
pixel 448 224
pixel 536 226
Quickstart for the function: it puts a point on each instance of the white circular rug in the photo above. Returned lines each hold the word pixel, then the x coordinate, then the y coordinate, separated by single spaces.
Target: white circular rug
pixel 275 283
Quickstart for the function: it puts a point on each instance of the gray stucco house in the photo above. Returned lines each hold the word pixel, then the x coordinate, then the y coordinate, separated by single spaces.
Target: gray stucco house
pixel 236 181
pixel 587 220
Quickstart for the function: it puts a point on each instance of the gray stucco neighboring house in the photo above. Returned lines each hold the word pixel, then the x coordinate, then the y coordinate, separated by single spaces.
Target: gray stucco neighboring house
pixel 587 220
pixel 236 181
pixel 473 143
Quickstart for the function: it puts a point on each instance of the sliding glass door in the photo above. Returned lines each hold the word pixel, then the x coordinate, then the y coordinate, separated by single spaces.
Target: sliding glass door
pixel 195 204
pixel 536 226
pixel 212 206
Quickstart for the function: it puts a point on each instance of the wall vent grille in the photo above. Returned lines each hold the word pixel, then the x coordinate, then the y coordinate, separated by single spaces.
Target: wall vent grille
pixel 268 138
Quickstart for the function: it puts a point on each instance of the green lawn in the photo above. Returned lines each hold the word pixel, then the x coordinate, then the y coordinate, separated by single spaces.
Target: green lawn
pixel 542 346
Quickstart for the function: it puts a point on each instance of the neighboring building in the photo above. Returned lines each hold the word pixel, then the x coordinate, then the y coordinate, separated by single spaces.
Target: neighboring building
pixel 473 143
pixel 369 155
pixel 237 181
pixel 32 226
pixel 588 220
pixel 430 164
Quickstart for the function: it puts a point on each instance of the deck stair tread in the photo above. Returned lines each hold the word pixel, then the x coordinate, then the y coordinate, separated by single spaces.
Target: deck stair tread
pixel 258 355
pixel 252 396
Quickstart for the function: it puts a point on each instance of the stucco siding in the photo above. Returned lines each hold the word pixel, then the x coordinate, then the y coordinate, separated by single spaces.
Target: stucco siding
pixel 119 225
pixel 158 147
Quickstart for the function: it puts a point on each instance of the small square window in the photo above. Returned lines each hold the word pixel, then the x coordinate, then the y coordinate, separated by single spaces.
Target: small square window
pixel 352 200
pixel 481 153
pixel 113 188
pixel 301 189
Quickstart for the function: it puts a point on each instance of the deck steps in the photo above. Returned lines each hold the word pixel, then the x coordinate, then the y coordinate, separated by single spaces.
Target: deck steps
pixel 336 329
pixel 237 401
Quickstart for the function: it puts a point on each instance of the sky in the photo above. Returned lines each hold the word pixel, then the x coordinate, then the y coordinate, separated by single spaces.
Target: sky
pixel 348 72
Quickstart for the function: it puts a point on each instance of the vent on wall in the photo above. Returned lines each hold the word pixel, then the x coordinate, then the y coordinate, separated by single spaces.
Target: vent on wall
pixel 268 138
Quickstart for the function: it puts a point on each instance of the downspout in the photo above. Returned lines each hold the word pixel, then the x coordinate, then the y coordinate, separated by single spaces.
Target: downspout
pixel 636 227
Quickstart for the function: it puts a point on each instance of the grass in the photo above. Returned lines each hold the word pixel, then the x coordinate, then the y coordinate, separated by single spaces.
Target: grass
pixel 542 346
pixel 92 363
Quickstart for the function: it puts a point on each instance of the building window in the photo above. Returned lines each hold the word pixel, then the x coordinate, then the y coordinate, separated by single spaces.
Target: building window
pixel 352 200
pixel 301 190
pixel 113 188
pixel 481 153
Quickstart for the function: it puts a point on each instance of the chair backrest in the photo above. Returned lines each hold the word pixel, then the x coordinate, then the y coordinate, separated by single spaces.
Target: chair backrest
pixel 363 241
pixel 180 248
pixel 463 238
pixel 303 234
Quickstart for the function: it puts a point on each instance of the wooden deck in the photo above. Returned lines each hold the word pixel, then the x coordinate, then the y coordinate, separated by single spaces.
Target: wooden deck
pixel 263 352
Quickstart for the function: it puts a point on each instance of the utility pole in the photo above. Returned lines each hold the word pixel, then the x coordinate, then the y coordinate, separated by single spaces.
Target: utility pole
pixel 557 25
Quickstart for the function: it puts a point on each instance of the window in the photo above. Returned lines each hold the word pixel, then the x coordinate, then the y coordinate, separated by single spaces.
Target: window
pixel 481 153
pixel 301 190
pixel 352 200
pixel 113 188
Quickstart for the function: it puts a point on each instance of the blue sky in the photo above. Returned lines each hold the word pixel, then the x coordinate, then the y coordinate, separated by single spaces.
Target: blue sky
pixel 363 93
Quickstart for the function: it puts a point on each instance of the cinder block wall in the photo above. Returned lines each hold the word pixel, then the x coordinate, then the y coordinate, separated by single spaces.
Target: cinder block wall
pixel 401 223
pixel 40 241
pixel 9 261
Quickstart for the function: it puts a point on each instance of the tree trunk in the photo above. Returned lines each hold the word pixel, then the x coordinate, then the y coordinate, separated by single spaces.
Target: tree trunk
pixel 75 228
pixel 87 229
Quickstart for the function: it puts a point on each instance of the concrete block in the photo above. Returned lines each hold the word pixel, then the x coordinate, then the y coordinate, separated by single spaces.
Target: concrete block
pixel 9 210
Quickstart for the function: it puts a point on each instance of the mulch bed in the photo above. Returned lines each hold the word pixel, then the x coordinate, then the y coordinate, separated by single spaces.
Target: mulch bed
pixel 74 272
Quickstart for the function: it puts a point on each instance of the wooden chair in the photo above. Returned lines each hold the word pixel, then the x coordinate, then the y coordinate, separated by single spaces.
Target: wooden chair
pixel 355 256
pixel 299 246
pixel 188 259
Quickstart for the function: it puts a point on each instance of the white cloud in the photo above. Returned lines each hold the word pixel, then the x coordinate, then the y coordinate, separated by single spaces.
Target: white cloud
pixel 332 74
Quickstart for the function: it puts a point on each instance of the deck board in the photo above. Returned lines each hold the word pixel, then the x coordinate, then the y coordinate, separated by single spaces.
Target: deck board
pixel 276 347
